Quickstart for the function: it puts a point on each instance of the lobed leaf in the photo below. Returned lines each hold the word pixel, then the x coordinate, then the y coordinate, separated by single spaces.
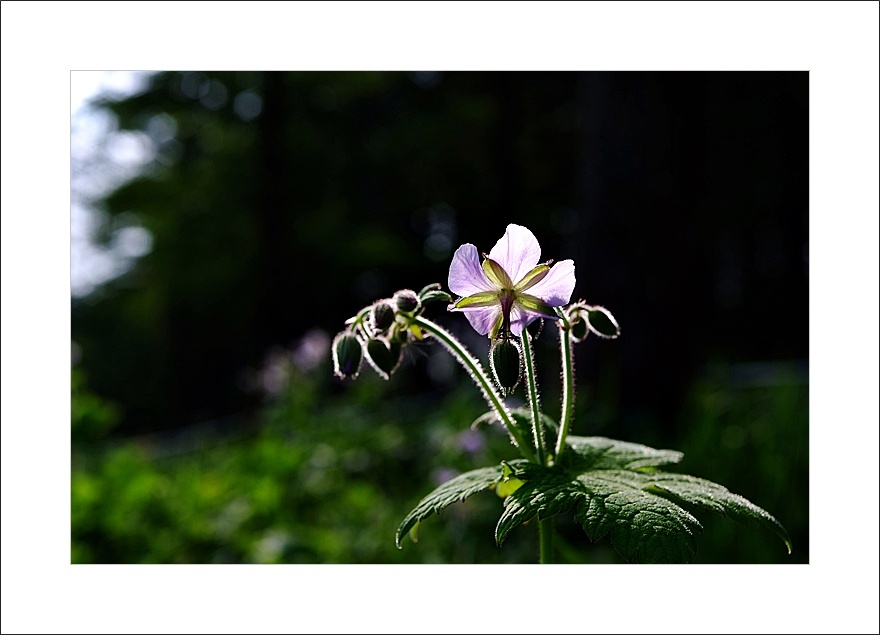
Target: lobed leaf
pixel 711 496
pixel 617 491
pixel 596 453
pixel 452 491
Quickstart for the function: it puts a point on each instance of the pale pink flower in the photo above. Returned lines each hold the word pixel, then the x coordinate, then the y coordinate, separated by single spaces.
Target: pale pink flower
pixel 509 289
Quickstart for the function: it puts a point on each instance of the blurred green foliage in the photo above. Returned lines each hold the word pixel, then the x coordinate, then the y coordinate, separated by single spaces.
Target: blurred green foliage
pixel 326 478
pixel 317 479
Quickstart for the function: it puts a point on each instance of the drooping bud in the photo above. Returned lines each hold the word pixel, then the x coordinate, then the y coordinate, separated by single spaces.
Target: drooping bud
pixel 382 316
pixel 602 323
pixel 577 319
pixel 407 301
pixel 505 361
pixel 384 356
pixel 347 355
pixel 433 293
pixel 584 318
pixel 579 330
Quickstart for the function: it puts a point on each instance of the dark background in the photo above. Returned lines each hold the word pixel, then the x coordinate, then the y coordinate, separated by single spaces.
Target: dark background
pixel 281 203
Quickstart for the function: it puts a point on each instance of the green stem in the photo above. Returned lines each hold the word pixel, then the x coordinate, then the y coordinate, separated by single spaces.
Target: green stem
pixel 532 390
pixel 567 387
pixel 545 527
pixel 472 365
pixel 545 535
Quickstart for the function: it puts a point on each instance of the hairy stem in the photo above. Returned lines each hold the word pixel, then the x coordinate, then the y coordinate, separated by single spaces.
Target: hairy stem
pixel 567 387
pixel 545 527
pixel 475 369
pixel 532 390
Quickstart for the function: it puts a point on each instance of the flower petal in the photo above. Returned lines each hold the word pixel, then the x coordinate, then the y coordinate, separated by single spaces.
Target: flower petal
pixel 557 286
pixel 520 319
pixel 518 251
pixel 466 276
pixel 483 319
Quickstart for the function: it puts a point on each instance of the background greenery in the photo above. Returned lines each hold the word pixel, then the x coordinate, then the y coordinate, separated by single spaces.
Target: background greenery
pixel 206 424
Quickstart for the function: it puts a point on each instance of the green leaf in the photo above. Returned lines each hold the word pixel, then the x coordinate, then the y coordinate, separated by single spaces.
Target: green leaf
pixel 597 453
pixel 617 490
pixel 452 491
pixel 711 496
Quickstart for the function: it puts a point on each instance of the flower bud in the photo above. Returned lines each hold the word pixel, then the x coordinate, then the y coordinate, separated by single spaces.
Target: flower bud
pixel 580 328
pixel 382 316
pixel 602 323
pixel 407 301
pixel 505 361
pixel 384 356
pixel 584 318
pixel 433 293
pixel 347 355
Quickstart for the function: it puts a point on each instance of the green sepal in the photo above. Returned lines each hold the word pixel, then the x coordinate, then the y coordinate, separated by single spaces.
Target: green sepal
pixel 478 300
pixel 496 274
pixel 536 305
pixel 533 277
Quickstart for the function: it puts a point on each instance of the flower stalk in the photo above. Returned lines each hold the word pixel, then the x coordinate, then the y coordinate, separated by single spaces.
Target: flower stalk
pixel 567 411
pixel 475 369
pixel 545 526
pixel 534 400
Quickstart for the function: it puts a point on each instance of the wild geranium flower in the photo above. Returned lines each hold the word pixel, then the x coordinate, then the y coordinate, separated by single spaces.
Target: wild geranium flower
pixel 509 289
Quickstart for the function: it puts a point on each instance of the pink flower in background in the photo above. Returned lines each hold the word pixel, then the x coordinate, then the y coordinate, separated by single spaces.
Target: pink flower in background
pixel 509 290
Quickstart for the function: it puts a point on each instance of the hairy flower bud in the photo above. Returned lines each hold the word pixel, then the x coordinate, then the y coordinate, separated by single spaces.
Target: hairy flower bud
pixel 407 301
pixel 382 316
pixel 347 355
pixel 602 323
pixel 505 361
pixel 579 329
pixel 584 318
pixel 577 319
pixel 384 356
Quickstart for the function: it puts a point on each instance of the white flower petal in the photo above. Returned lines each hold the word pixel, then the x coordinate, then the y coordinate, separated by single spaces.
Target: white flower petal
pixel 520 319
pixel 466 276
pixel 517 251
pixel 483 319
pixel 557 286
